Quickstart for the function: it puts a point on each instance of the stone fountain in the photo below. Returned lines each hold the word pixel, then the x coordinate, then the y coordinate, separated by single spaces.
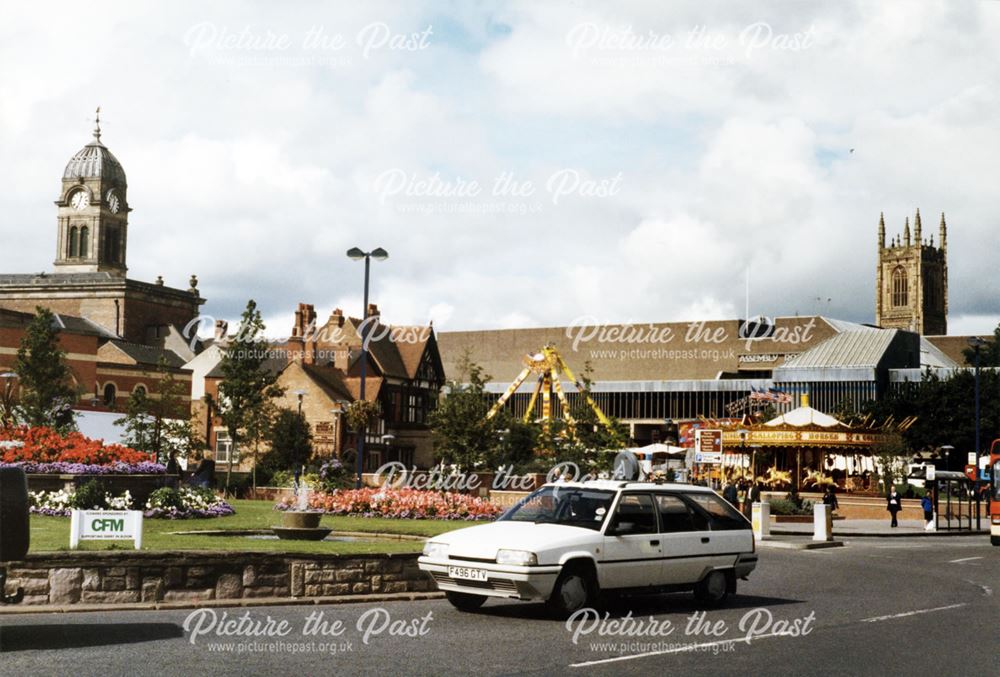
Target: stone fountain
pixel 301 524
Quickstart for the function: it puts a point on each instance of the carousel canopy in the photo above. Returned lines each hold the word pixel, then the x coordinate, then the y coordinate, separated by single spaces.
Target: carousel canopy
pixel 805 416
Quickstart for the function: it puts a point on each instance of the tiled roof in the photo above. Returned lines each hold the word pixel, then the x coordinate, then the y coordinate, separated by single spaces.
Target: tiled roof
pixel 331 380
pixel 148 354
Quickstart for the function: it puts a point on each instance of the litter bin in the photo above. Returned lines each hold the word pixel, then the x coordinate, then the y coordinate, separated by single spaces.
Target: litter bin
pixel 14 530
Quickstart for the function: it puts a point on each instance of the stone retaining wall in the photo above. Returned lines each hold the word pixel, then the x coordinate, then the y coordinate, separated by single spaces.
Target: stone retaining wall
pixel 120 578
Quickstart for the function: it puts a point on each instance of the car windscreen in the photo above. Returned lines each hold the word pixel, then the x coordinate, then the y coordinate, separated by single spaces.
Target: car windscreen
pixel 570 506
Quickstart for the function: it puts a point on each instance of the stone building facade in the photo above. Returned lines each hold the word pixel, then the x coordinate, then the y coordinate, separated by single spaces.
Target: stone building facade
pixel 912 280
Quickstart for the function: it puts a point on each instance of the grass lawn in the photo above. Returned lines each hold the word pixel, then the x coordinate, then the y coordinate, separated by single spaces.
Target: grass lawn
pixel 52 533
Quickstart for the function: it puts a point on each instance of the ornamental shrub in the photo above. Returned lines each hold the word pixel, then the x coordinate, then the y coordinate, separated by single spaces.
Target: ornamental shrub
pixel 90 496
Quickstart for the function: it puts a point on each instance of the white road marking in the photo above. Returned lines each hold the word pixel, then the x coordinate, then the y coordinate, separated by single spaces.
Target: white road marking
pixel 876 619
pixel 964 559
pixel 987 590
pixel 681 649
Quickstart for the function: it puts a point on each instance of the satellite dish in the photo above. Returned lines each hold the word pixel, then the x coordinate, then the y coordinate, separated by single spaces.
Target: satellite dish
pixel 626 467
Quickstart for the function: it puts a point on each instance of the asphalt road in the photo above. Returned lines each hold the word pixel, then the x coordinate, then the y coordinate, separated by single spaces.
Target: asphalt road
pixel 876 607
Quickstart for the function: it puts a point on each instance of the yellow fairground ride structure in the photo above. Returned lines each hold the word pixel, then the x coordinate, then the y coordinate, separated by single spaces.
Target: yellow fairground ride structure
pixel 547 365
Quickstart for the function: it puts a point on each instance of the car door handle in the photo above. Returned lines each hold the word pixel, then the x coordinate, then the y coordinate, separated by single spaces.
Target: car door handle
pixel 705 539
pixel 654 542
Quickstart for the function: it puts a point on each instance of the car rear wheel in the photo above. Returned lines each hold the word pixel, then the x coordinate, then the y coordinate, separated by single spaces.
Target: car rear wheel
pixel 575 589
pixel 994 540
pixel 713 589
pixel 463 601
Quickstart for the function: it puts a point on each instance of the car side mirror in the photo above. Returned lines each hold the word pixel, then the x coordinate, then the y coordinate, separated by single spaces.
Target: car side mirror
pixel 622 528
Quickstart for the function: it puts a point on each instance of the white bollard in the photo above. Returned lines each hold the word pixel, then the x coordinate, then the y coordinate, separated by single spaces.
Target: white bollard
pixel 822 522
pixel 761 520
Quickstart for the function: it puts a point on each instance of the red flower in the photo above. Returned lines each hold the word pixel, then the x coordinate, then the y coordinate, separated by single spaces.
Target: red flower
pixel 45 445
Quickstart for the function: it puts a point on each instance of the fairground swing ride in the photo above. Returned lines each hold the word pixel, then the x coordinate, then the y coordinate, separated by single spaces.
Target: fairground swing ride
pixel 547 365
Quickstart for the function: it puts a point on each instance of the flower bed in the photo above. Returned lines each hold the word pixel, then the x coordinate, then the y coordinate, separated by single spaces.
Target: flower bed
pixel 43 446
pixel 186 503
pixel 63 468
pixel 399 504
pixel 165 503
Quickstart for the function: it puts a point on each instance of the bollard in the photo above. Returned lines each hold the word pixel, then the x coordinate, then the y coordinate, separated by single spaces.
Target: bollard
pixel 761 521
pixel 822 522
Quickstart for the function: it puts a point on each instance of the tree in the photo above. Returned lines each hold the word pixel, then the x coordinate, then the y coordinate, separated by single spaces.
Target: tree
pixel 247 385
pixel 989 355
pixel 47 393
pixel 462 433
pixel 891 459
pixel 944 410
pixel 161 425
pixel 291 441
pixel 589 431
pixel 258 429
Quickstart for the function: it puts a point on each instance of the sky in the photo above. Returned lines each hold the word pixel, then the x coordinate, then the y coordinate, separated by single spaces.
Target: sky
pixel 524 163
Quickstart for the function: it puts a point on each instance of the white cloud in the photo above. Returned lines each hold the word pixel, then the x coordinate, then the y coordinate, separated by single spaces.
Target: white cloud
pixel 259 174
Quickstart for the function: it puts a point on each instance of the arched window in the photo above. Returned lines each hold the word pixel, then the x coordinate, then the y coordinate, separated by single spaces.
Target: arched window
pixel 900 291
pixel 140 390
pixel 84 242
pixel 74 242
pixel 110 393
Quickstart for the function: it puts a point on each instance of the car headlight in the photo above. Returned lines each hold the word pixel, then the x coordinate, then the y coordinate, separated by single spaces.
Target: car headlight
pixel 436 550
pixel 516 557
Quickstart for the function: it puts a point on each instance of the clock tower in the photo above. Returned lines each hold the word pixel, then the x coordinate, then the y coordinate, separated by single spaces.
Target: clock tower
pixel 93 212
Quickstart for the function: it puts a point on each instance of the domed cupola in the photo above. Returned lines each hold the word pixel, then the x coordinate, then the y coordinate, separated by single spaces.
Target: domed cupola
pixel 95 161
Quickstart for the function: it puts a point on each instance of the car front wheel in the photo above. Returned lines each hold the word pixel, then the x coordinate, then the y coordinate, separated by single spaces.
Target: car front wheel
pixel 463 601
pixel 713 589
pixel 575 589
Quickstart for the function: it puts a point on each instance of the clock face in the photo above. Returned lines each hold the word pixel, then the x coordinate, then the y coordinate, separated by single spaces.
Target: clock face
pixel 114 202
pixel 80 199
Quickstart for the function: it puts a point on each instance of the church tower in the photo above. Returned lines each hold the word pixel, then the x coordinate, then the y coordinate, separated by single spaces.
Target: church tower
pixel 912 280
pixel 92 212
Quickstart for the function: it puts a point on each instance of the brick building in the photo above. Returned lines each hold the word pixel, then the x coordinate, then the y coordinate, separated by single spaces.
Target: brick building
pixel 319 367
pixel 89 281
pixel 115 331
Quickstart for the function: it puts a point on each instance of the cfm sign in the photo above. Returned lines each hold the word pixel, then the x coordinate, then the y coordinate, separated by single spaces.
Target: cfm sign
pixel 105 525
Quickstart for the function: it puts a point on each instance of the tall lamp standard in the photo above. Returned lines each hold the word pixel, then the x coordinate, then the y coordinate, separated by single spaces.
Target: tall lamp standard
pixel 356 254
pixel 976 344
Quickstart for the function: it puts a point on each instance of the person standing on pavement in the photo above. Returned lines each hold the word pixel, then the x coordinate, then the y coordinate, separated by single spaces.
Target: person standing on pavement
pixel 730 494
pixel 830 499
pixel 894 503
pixel 928 505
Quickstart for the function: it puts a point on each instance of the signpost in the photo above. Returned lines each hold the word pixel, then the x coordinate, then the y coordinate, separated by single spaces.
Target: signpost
pixel 105 525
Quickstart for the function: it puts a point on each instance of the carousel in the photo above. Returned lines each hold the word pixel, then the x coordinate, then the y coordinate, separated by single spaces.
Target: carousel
pixel 807 450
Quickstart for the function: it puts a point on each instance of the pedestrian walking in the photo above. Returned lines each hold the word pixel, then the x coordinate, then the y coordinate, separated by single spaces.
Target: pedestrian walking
pixel 894 503
pixel 730 494
pixel 830 499
pixel 928 505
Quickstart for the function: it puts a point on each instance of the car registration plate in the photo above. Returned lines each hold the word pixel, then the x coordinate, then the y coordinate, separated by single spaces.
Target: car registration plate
pixel 465 573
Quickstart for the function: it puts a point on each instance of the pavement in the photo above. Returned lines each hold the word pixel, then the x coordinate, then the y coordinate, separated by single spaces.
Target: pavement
pixel 900 606
pixel 875 529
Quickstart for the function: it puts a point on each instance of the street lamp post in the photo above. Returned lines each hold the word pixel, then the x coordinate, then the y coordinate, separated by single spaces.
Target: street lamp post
pixel 356 254
pixel 977 343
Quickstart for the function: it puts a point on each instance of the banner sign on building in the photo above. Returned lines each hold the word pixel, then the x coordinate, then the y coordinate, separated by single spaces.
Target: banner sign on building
pixel 105 525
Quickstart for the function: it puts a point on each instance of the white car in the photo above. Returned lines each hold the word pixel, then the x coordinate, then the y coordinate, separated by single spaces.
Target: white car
pixel 567 542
